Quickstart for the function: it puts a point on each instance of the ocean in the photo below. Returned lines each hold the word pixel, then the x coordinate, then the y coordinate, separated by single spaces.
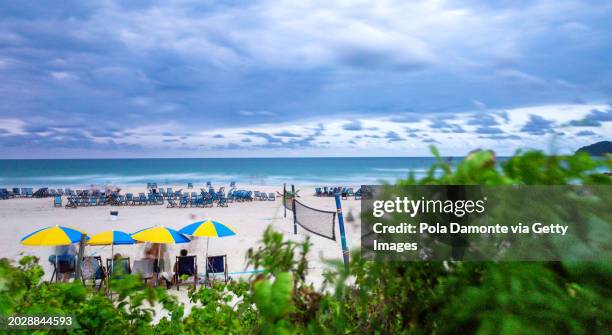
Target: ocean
pixel 220 171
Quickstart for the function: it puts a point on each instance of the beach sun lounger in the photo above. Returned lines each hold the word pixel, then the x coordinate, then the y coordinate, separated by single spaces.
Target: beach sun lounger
pixel 145 268
pixel 171 203
pixel 116 268
pixel 92 269
pixel 186 266
pixel 57 201
pixel 216 266
pixel 62 265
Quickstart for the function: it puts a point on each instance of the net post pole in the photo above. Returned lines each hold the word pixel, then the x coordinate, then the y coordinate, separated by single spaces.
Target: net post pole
pixel 285 198
pixel 294 209
pixel 345 251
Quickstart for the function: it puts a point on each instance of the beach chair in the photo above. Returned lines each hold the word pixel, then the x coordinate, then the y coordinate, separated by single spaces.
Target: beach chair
pixel 82 201
pixel 71 202
pixel 121 200
pixel 271 197
pixel 62 265
pixel 208 184
pixel 344 193
pixel 129 199
pixel 116 268
pixel 171 203
pixel 142 199
pixel 93 201
pixel 145 268
pixel 29 192
pixel 92 269
pixel 184 202
pixel 350 192
pixel 358 194
pixel 222 202
pixel 57 201
pixel 186 266
pixel 256 195
pixel 16 192
pixel 232 184
pixel 215 266
pixel 189 185
pixel 102 201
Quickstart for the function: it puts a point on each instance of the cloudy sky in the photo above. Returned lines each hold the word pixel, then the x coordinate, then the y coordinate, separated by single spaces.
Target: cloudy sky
pixel 302 78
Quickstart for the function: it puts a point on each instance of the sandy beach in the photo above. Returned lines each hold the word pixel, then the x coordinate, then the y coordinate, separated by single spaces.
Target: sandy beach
pixel 22 216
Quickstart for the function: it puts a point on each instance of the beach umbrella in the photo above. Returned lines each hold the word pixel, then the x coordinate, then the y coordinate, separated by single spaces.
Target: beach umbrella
pixel 53 236
pixel 112 238
pixel 208 228
pixel 160 234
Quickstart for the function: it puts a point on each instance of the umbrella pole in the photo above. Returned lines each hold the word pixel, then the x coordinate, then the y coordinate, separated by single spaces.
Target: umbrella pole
pixel 110 271
pixel 56 268
pixel 158 262
pixel 206 262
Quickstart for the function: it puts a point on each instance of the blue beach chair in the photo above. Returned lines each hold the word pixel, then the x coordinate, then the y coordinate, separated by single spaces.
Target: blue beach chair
pixel 171 203
pixel 57 201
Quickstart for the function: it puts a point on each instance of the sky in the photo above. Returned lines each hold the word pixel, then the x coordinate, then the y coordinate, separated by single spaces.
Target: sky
pixel 85 79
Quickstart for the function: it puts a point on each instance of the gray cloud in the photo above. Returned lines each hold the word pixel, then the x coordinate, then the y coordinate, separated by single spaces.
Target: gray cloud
pixel 537 125
pixel 593 119
pixel 353 126
pixel 489 130
pixel 585 133
pixel 446 127
pixel 287 134
pixel 393 137
pixel 483 119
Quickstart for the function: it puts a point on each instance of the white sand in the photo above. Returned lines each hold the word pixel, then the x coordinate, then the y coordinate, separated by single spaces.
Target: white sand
pixel 21 216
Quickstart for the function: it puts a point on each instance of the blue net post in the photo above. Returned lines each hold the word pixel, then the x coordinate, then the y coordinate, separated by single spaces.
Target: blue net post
pixel 345 251
pixel 293 206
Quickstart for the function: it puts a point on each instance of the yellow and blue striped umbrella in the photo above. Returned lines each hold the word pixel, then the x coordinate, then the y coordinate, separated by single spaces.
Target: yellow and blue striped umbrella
pixel 208 228
pixel 111 237
pixel 160 234
pixel 52 236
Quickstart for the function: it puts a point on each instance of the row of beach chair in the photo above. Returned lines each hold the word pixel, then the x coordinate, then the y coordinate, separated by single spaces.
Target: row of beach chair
pixel 263 196
pixel 16 192
pixel 94 271
pixel 345 192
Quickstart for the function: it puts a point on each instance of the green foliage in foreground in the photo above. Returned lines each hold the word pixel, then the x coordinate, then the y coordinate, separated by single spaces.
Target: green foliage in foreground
pixel 377 298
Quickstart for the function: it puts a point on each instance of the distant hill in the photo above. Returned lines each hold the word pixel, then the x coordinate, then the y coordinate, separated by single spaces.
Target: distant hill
pixel 597 149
